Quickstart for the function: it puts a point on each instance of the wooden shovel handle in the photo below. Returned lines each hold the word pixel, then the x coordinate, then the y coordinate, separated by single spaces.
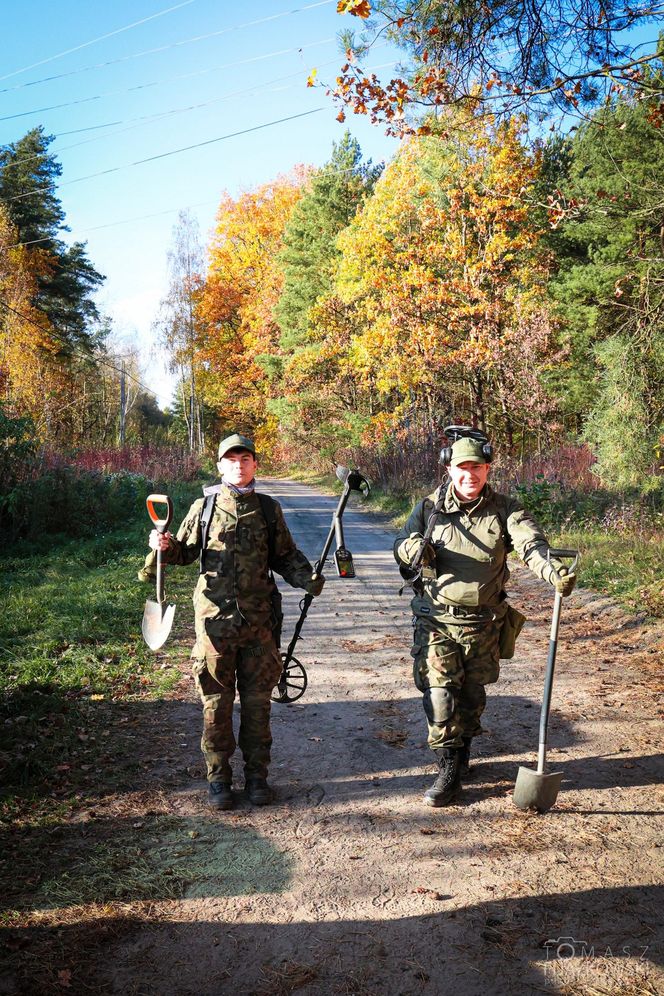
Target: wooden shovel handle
pixel 160 523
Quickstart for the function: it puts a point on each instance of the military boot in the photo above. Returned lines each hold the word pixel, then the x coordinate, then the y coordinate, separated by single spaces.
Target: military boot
pixel 448 782
pixel 220 795
pixel 464 753
pixel 258 791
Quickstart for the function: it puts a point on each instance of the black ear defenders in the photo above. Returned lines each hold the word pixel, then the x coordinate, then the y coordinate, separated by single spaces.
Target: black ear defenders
pixel 455 432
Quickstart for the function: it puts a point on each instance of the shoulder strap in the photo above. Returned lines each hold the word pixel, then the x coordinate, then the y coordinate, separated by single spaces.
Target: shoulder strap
pixel 502 515
pixel 269 509
pixel 207 512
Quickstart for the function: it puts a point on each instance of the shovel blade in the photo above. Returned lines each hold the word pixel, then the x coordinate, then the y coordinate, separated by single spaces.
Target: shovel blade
pixel 157 622
pixel 533 791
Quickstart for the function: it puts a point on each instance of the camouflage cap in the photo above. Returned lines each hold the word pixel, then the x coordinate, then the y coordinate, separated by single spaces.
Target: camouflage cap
pixel 236 442
pixel 467 450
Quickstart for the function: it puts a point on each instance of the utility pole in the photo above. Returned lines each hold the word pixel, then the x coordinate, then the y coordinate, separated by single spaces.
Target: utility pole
pixel 123 403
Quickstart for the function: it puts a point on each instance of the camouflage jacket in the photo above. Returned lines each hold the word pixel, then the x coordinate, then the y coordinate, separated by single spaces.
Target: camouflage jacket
pixel 471 544
pixel 234 587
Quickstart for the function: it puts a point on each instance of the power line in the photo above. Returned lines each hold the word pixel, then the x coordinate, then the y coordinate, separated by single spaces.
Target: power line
pixel 93 41
pixel 86 356
pixel 174 152
pixel 158 214
pixel 165 48
pixel 168 79
pixel 147 118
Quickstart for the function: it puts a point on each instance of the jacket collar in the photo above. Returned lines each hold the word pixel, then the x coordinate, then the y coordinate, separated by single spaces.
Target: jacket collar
pixel 452 503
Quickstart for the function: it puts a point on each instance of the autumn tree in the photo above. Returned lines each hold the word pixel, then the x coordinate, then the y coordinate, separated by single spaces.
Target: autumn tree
pixel 33 379
pixel 505 57
pixel 242 288
pixel 444 273
pixel 66 278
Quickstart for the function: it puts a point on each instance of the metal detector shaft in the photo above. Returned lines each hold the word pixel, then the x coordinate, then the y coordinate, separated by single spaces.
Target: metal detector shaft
pixel 318 567
pixel 293 680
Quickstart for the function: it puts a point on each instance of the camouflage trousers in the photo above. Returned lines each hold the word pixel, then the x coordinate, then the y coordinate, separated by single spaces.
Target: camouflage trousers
pixel 250 660
pixel 454 658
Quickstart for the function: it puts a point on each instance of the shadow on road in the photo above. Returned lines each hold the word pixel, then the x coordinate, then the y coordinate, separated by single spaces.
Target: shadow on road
pixel 609 938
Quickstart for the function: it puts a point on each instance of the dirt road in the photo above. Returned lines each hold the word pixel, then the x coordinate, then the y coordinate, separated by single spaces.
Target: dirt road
pixel 349 885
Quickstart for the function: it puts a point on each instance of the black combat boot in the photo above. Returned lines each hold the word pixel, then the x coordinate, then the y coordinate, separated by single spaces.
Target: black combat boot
pixel 465 768
pixel 258 791
pixel 448 782
pixel 220 795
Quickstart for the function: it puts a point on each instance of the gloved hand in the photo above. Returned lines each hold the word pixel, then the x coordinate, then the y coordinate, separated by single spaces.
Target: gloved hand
pixel 315 586
pixel 145 575
pixel 561 579
pixel 413 548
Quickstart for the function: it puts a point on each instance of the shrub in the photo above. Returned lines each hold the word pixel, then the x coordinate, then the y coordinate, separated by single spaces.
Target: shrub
pixel 92 494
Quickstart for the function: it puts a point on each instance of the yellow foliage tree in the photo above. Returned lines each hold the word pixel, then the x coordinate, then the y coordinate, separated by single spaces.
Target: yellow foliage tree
pixel 444 262
pixel 32 380
pixel 243 285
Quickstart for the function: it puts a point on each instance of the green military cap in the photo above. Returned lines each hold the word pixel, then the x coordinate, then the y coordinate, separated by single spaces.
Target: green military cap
pixel 236 442
pixel 467 450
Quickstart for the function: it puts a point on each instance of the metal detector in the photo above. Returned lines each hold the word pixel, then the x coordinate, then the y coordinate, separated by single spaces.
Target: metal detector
pixel 293 680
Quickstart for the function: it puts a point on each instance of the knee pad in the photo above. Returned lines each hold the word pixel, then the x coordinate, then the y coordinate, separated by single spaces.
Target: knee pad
pixel 438 704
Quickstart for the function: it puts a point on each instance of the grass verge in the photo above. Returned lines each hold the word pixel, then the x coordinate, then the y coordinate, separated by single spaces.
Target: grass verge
pixel 70 649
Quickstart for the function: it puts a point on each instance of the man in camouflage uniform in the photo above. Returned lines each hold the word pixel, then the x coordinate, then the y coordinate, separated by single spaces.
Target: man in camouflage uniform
pixel 234 615
pixel 460 608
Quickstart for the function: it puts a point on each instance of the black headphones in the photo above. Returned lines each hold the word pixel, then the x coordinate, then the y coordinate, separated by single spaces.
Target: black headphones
pixel 455 432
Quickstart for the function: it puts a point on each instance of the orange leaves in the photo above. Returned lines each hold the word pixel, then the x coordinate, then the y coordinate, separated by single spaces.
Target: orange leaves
pixel 242 288
pixel 439 257
pixel 358 8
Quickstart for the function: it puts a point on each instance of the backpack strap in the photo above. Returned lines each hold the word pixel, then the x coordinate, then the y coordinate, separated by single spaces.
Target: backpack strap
pixel 269 510
pixel 206 518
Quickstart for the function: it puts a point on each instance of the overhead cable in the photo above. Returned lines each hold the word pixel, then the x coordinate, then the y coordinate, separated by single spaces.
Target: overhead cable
pixel 93 41
pixel 165 48
pixel 77 352
pixel 168 79
pixel 174 152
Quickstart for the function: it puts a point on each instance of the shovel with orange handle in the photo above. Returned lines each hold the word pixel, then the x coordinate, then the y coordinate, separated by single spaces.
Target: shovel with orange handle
pixel 158 616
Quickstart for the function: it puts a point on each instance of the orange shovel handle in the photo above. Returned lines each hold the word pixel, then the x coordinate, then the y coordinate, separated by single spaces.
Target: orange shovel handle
pixel 160 523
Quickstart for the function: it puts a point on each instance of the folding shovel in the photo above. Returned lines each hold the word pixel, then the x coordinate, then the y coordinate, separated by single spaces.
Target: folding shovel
pixel 293 681
pixel 158 617
pixel 539 789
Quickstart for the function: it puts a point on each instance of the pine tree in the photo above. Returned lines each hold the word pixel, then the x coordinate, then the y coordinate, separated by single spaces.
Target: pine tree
pixel 610 290
pixel 310 252
pixel 28 176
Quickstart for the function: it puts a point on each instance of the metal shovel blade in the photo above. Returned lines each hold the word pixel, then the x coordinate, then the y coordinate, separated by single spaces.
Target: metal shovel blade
pixel 534 791
pixel 157 622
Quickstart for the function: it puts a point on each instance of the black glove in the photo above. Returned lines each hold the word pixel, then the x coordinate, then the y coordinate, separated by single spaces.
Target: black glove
pixel 315 586
pixel 415 551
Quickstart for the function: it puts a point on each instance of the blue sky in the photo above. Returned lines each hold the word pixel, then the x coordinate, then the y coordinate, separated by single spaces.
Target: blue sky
pixel 124 103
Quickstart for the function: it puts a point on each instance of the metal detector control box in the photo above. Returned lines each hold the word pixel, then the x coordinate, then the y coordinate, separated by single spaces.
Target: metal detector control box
pixel 344 561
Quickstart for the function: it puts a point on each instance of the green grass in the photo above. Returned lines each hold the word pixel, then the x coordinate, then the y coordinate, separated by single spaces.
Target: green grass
pixel 626 566
pixel 70 640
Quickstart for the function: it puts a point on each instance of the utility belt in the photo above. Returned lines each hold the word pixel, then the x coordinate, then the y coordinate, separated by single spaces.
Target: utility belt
pixel 462 611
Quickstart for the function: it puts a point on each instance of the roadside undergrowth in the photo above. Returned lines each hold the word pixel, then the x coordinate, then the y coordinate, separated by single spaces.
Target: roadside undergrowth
pixel 74 670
